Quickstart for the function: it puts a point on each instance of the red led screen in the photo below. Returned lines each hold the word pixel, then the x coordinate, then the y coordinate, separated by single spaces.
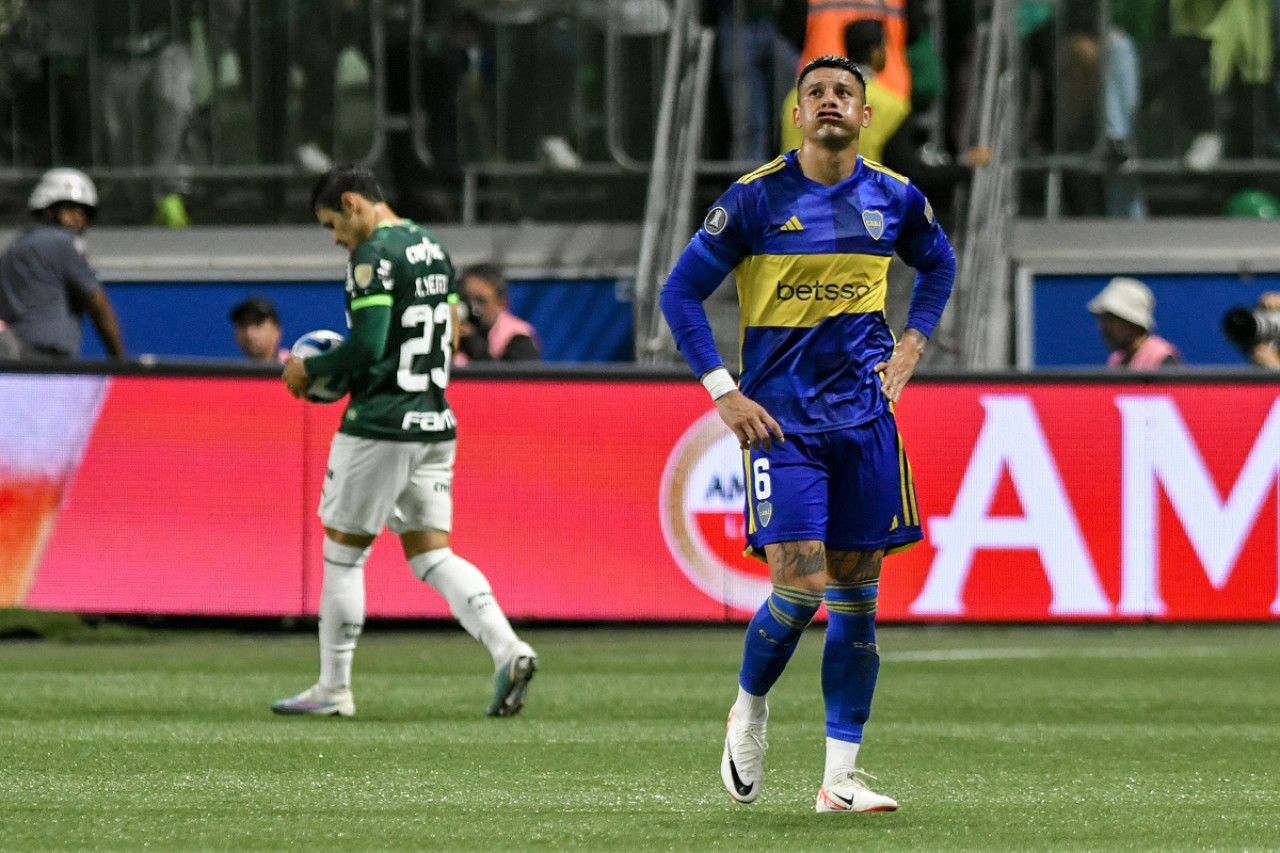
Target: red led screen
pixel 621 501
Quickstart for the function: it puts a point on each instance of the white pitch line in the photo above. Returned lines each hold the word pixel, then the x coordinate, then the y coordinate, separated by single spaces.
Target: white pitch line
pixel 1038 653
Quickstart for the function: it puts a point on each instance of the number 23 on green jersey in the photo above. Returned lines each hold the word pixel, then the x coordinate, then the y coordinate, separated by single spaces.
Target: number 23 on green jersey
pixel 402 269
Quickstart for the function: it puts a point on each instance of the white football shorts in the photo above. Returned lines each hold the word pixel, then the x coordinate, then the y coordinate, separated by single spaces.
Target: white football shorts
pixel 404 485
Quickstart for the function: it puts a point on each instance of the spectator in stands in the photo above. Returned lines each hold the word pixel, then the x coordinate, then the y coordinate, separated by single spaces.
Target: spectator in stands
pixel 422 176
pixel 257 329
pixel 44 59
pixel 46 283
pixel 492 332
pixel 543 54
pixel 757 61
pixel 932 168
pixel 865 44
pixel 1100 88
pixel 1189 79
pixel 471 41
pixel 1123 195
pixel 147 95
pixel 826 28
pixel 1221 53
pixel 1126 317
pixel 269 43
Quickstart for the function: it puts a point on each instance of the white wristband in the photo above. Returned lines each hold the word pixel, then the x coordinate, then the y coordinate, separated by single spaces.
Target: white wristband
pixel 718 382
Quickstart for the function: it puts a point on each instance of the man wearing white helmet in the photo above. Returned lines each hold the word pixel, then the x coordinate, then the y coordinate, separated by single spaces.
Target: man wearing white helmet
pixel 46 283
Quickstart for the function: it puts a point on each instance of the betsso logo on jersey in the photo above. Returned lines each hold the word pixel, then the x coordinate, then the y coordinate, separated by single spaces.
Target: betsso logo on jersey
pixel 701 502
pixel 822 291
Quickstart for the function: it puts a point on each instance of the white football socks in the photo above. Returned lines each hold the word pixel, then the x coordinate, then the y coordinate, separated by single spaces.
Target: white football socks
pixel 842 758
pixel 470 599
pixel 750 708
pixel 341 611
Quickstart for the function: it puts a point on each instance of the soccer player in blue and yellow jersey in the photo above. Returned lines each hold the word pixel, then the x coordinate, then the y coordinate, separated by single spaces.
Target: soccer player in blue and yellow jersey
pixel 391 462
pixel 829 491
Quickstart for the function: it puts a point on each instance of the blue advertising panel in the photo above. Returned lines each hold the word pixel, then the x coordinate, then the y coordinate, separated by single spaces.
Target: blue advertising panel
pixel 578 320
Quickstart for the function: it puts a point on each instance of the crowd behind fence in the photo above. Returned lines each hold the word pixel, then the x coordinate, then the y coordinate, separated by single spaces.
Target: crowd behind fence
pixel 503 110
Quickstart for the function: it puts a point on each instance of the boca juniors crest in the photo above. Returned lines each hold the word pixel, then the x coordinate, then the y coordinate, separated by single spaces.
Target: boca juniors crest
pixel 874 222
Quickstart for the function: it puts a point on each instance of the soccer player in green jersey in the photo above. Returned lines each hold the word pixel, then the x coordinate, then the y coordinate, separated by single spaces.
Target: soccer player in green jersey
pixel 391 461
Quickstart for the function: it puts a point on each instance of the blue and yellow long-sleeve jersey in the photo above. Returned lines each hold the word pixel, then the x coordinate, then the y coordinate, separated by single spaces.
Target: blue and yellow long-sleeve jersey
pixel 812 263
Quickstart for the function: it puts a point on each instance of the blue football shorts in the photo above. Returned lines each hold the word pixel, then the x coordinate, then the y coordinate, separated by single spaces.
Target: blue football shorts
pixel 850 488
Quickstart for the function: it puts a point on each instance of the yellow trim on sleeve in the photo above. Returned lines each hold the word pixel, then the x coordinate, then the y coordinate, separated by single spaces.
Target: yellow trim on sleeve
pixel 767 169
pixel 879 168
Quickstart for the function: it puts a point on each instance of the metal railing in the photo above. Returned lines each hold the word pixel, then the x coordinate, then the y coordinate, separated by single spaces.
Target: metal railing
pixel 581 107
pixel 981 321
pixel 606 93
pixel 668 211
pixel 242 62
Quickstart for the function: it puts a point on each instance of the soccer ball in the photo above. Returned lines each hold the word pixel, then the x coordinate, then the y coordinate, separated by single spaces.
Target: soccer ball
pixel 323 389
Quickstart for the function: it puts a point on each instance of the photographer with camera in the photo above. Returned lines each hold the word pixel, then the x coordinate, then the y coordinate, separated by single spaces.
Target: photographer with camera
pixel 1257 332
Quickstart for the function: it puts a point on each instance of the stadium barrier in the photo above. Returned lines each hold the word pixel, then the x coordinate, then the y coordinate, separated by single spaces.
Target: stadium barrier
pixel 615 495
pixel 172 290
pixel 578 320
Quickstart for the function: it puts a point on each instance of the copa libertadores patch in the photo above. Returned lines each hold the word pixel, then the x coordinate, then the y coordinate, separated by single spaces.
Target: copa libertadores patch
pixel 717 219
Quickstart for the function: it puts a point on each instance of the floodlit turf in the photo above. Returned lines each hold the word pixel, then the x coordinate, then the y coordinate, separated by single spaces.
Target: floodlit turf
pixel 1140 738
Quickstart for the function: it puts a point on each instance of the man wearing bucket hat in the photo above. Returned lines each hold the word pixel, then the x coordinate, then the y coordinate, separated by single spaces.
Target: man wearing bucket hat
pixel 1126 316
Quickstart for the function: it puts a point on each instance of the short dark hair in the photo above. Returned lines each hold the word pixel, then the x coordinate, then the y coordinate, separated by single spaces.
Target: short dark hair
pixel 344 178
pixel 491 273
pixel 863 38
pixel 253 310
pixel 844 63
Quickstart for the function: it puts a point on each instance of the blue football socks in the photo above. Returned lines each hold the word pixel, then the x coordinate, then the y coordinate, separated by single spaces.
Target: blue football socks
pixel 773 634
pixel 850 662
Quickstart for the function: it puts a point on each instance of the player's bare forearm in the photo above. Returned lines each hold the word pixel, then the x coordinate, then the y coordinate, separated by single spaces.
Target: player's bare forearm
pixel 748 420
pixel 295 376
pixel 897 371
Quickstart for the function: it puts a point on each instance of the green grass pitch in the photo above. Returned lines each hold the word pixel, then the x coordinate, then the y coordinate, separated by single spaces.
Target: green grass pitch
pixel 1133 738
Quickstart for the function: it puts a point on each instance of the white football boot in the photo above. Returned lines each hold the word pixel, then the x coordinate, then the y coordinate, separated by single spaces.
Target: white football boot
pixel 742 765
pixel 848 793
pixel 318 701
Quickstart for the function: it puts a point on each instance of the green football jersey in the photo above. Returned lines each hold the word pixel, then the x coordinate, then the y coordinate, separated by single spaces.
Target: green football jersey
pixel 404 269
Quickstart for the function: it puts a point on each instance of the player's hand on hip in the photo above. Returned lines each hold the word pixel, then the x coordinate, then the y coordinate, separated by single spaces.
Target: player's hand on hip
pixel 748 420
pixel 897 371
pixel 295 376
